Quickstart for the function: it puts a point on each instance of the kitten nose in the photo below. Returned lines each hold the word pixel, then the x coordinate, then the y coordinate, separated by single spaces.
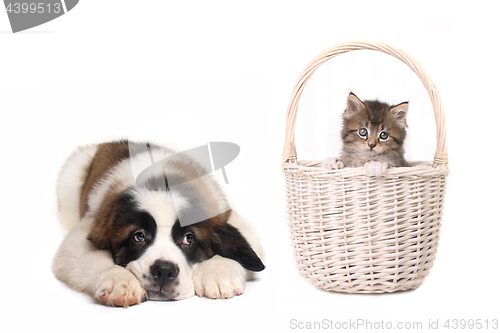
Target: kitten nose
pixel 372 144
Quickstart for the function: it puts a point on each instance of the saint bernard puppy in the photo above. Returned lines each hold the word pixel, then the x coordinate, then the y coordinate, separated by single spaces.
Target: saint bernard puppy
pixel 127 244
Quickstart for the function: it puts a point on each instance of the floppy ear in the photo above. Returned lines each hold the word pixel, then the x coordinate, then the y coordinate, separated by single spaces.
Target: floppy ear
pixel 228 242
pixel 99 236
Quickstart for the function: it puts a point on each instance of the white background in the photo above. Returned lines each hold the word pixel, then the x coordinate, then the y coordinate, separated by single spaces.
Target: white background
pixel 184 73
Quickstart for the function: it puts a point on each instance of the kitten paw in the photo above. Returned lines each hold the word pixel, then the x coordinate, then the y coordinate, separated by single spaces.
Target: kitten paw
pixel 332 164
pixel 375 168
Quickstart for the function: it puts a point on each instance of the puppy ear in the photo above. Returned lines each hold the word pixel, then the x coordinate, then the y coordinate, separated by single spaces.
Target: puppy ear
pixel 98 236
pixel 228 242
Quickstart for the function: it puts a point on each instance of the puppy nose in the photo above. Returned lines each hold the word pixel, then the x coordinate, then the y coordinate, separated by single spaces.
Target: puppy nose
pixel 164 271
pixel 372 144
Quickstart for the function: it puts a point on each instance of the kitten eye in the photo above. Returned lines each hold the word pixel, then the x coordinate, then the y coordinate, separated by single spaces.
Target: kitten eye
pixel 139 237
pixel 188 239
pixel 363 132
pixel 384 135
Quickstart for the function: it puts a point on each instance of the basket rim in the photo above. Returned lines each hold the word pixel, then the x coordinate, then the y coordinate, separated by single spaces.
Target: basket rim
pixel 416 169
pixel 289 151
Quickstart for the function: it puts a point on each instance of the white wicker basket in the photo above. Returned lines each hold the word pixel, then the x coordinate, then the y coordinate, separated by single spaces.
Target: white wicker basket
pixel 358 234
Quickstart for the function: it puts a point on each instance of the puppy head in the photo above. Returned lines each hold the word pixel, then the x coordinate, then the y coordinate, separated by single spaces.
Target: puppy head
pixel 142 230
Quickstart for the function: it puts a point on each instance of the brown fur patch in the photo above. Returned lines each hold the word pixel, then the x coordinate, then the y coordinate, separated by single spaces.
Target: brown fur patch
pixel 104 233
pixel 215 236
pixel 376 117
pixel 106 157
pixel 207 231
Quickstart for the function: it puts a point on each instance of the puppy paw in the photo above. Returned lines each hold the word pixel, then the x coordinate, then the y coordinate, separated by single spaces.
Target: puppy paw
pixel 375 168
pixel 332 164
pixel 219 277
pixel 120 288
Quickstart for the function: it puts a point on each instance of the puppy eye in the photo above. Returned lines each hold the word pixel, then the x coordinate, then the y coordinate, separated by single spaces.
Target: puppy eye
pixel 188 239
pixel 139 237
pixel 363 132
pixel 384 135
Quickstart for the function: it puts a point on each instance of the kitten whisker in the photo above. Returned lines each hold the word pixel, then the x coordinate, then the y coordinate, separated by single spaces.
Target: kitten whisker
pixel 361 119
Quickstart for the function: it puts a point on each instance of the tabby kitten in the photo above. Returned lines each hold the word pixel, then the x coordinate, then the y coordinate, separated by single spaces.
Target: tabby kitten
pixel 373 134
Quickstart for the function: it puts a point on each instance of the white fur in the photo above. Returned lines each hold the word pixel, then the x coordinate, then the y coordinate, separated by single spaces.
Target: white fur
pixel 70 183
pixel 85 268
pixel 373 168
pixel 376 168
pixel 332 164
pixel 160 205
pixel 122 176
pixel 219 278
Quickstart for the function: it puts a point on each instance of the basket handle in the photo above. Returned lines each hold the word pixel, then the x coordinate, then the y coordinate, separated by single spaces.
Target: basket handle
pixel 289 152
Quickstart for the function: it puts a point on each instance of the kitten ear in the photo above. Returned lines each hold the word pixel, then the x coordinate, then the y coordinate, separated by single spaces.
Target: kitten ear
pixel 399 111
pixel 354 104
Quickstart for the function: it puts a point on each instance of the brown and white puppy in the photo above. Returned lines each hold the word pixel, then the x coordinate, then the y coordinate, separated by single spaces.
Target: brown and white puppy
pixel 127 244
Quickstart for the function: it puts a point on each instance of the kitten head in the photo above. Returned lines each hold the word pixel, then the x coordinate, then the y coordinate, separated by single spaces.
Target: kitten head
pixel 373 128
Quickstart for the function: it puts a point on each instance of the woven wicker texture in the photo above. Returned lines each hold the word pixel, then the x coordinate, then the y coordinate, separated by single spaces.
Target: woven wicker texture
pixel 359 234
